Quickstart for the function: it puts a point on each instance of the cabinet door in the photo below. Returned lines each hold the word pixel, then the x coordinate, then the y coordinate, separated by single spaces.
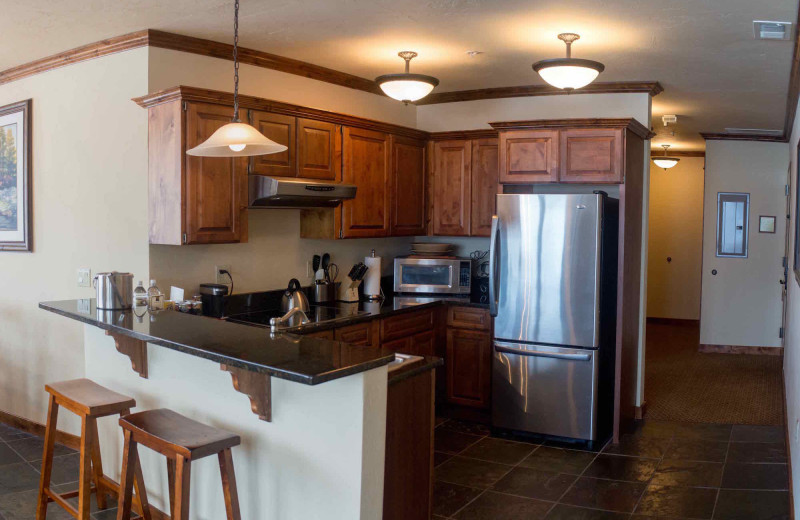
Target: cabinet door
pixel 216 187
pixel 528 156
pixel 468 362
pixel 280 129
pixel 592 155
pixel 484 186
pixel 408 187
pixel 422 344
pixel 452 162
pixel 366 164
pixel 317 150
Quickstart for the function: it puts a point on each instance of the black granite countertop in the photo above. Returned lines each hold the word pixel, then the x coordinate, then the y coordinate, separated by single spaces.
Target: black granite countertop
pixel 286 356
pixel 390 306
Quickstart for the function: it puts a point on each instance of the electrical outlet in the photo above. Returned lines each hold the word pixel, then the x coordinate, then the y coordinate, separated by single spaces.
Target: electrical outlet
pixel 222 278
pixel 84 277
pixel 309 270
pixel 797 430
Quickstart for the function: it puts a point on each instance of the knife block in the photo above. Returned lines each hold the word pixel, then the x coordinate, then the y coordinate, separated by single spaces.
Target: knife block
pixel 348 292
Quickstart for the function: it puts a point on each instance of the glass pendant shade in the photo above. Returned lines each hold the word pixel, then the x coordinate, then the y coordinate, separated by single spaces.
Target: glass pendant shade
pixel 406 87
pixel 236 140
pixel 665 162
pixel 568 73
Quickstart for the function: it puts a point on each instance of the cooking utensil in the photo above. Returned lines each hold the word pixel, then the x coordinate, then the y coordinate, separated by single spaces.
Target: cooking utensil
pixel 294 297
pixel 326 260
pixel 333 272
pixel 114 290
pixel 315 263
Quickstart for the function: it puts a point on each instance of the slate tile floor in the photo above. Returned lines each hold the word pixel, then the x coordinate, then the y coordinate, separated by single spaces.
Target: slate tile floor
pixel 668 471
pixel 20 462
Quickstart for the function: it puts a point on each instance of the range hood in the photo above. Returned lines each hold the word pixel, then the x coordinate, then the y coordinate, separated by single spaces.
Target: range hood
pixel 271 192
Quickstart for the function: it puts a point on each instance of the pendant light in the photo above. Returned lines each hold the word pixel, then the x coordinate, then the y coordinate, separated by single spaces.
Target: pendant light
pixel 568 73
pixel 664 161
pixel 406 87
pixel 236 139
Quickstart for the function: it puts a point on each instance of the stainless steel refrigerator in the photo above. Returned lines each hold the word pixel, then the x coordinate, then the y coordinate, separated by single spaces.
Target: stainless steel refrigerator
pixel 553 264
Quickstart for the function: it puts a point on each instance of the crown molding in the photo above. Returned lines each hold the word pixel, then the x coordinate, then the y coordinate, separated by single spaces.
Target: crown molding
pixel 483 133
pixel 650 87
pixel 628 122
pixel 710 136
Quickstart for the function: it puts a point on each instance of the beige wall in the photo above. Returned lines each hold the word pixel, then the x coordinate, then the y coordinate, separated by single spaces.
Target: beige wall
pixel 676 231
pixel 742 305
pixel 90 210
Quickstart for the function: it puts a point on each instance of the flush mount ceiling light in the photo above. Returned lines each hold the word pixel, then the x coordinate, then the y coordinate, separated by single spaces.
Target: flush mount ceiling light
pixel 406 87
pixel 568 73
pixel 236 139
pixel 664 161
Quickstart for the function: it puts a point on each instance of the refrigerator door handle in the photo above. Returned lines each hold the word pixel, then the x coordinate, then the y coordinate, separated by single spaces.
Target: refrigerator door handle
pixel 536 353
pixel 493 267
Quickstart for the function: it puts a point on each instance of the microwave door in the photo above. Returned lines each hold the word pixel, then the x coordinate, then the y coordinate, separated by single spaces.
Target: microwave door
pixel 427 277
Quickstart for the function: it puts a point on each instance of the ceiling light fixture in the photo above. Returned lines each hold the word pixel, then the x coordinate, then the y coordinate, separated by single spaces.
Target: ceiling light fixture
pixel 406 87
pixel 568 73
pixel 236 139
pixel 663 161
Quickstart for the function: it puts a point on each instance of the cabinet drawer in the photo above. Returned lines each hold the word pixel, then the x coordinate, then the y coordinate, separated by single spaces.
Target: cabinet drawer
pixel 406 325
pixel 361 334
pixel 468 318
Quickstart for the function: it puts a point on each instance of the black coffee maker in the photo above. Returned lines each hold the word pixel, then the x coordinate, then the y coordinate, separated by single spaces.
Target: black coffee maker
pixel 213 298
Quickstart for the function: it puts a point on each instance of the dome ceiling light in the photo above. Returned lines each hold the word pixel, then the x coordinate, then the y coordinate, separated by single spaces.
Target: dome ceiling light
pixel 406 87
pixel 664 161
pixel 236 139
pixel 568 73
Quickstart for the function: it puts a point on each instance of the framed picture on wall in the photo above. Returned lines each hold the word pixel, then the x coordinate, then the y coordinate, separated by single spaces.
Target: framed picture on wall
pixel 15 177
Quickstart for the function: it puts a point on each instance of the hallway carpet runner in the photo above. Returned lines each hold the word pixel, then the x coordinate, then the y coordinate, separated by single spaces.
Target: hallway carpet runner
pixel 682 384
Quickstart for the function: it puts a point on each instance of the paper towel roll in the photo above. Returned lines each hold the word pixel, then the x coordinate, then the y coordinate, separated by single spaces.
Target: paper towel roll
pixel 372 281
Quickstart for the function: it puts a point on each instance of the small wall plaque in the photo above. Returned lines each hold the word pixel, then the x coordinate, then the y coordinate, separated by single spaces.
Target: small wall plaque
pixel 766 224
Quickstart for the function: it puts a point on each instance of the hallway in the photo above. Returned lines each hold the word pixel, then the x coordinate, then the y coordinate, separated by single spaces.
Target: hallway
pixel 684 385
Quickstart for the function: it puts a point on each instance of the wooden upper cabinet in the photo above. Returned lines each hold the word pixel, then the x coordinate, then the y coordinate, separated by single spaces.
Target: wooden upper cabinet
pixel 484 186
pixel 528 156
pixel 215 187
pixel 318 150
pixel 592 155
pixel 408 189
pixel 451 187
pixel 282 130
pixel 366 164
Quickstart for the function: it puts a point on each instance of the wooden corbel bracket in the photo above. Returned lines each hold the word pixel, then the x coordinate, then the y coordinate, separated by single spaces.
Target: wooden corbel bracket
pixel 135 349
pixel 256 386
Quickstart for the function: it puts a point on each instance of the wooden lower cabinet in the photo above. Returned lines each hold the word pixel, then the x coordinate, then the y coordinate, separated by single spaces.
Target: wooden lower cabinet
pixel 408 479
pixel 469 361
pixel 361 334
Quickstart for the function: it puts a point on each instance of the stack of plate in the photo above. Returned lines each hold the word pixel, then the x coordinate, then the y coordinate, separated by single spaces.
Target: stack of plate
pixel 431 249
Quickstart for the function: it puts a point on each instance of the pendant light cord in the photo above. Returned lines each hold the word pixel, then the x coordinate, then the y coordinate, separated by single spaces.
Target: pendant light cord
pixel 236 61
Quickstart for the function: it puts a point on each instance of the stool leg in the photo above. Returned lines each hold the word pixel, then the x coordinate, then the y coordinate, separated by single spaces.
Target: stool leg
pixel 171 482
pixel 47 457
pixel 85 479
pixel 138 482
pixel 182 477
pixel 229 485
pixel 97 466
pixel 126 480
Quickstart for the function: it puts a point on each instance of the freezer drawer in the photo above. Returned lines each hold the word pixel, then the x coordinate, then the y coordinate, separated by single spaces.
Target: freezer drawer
pixel 545 389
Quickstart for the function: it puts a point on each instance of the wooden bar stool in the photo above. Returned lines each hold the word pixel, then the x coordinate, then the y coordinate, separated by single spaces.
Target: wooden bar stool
pixel 90 401
pixel 181 440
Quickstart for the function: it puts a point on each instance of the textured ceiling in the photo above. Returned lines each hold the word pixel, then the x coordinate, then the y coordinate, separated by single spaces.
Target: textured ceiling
pixel 702 51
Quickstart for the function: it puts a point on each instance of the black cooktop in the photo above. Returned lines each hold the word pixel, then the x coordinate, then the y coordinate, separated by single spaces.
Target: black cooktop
pixel 316 314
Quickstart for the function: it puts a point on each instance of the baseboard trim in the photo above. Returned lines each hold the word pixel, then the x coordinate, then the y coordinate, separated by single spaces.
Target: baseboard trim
pixel 35 428
pixel 639 412
pixel 672 321
pixel 740 349
pixel 788 446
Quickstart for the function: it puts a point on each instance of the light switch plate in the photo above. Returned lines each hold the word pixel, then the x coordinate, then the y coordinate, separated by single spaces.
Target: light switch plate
pixel 222 278
pixel 84 277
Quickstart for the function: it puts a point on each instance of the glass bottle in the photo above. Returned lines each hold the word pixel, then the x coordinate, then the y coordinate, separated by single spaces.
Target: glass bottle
pixel 140 296
pixel 155 299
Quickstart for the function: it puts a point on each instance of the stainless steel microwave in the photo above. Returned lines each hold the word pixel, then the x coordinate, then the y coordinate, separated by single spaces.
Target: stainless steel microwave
pixel 413 274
